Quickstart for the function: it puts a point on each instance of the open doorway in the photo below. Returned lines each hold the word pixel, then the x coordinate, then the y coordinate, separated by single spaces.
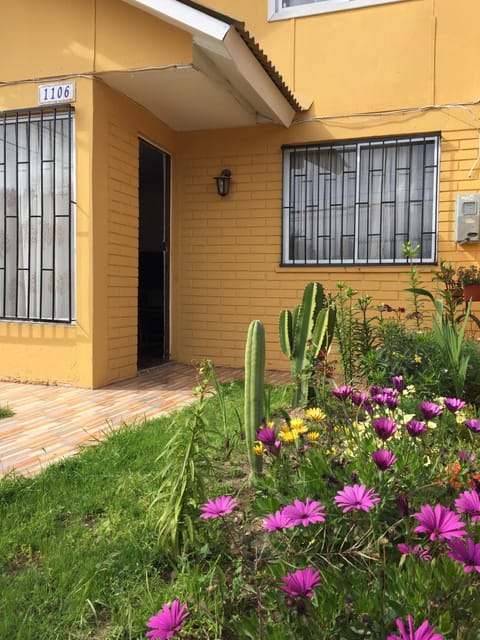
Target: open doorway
pixel 153 255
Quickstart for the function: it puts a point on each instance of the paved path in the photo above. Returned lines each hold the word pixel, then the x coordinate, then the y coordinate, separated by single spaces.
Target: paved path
pixel 51 422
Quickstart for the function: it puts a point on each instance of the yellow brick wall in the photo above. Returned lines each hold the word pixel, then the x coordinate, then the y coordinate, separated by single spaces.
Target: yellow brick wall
pixel 118 125
pixel 227 251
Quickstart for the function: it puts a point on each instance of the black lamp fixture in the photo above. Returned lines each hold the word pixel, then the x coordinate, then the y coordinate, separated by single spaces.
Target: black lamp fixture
pixel 223 182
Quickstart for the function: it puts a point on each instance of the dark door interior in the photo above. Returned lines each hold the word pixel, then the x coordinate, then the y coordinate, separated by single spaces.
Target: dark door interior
pixel 153 267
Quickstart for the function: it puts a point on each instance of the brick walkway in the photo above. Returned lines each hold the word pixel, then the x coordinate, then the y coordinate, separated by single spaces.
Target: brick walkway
pixel 51 422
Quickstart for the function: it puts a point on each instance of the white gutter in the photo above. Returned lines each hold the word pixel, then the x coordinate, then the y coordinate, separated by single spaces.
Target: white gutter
pixel 184 17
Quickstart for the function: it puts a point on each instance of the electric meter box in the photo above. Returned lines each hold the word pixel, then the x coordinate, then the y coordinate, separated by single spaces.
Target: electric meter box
pixel 467 218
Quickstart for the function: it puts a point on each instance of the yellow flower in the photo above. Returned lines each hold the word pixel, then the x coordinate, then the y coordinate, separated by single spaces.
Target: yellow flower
pixel 289 436
pixel 315 414
pixel 258 449
pixel 417 358
pixel 313 436
pixel 285 428
pixel 359 426
pixel 297 424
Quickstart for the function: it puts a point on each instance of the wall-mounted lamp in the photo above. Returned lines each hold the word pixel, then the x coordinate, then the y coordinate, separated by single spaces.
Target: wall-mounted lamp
pixel 223 182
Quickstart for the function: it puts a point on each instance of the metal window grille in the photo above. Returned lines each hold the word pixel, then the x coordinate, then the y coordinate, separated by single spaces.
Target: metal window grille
pixel 359 202
pixel 37 215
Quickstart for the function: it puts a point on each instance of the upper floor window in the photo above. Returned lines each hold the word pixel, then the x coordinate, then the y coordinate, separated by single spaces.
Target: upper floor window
pixel 36 215
pixel 359 202
pixel 283 9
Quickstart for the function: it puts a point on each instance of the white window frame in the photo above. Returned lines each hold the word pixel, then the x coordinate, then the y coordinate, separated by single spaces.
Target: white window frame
pixel 314 7
pixel 297 206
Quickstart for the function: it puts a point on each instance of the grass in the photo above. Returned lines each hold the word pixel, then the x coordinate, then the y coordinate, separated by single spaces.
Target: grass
pixel 5 412
pixel 79 552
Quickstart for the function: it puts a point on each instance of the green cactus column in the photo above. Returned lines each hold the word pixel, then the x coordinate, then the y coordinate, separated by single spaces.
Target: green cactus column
pixel 303 333
pixel 254 385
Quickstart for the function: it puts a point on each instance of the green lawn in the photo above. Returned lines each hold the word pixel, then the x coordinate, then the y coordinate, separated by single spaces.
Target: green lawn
pixel 79 552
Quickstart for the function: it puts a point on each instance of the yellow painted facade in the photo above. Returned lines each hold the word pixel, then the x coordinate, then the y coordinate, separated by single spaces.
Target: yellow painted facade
pixel 388 70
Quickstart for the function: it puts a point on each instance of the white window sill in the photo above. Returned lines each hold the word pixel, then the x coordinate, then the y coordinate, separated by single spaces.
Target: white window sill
pixel 314 8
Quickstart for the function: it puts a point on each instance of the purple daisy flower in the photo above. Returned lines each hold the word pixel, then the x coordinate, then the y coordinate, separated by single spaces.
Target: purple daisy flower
pixel 454 404
pixel 218 507
pixel 384 458
pixel 466 552
pixel 168 621
pixel 343 392
pixel 473 425
pixel 267 435
pixel 397 382
pixel 301 583
pixel 384 427
pixel 386 396
pixel 466 456
pixel 356 497
pixel 408 550
pixel 276 521
pixel 430 410
pixel 439 522
pixel 274 448
pixel 424 631
pixel 416 428
pixel 304 513
pixel 469 502
pixel 359 398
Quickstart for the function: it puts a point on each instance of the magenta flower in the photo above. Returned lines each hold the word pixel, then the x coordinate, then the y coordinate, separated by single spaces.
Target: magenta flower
pixel 439 522
pixel 274 448
pixel 473 425
pixel 386 396
pixel 424 631
pixel 415 428
pixel 301 583
pixel 466 552
pixel 384 427
pixel 356 497
pixel 466 456
pixel 454 404
pixel 267 435
pixel 218 507
pixel 359 398
pixel 167 621
pixel 430 410
pixel 276 521
pixel 304 513
pixel 469 502
pixel 384 458
pixel 408 550
pixel 343 392
pixel 397 382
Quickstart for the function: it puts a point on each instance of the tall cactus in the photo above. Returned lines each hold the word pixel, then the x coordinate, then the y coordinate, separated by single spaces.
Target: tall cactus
pixel 304 332
pixel 254 383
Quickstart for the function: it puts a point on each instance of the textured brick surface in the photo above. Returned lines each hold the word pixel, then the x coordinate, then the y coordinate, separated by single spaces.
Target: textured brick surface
pixel 52 422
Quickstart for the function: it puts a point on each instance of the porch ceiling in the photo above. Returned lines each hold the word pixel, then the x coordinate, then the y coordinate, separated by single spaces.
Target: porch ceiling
pixel 229 82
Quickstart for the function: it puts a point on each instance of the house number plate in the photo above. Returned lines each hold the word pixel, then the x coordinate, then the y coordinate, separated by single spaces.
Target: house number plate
pixel 61 92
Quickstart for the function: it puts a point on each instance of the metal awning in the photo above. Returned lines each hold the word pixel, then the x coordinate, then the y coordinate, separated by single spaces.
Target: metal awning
pixel 228 83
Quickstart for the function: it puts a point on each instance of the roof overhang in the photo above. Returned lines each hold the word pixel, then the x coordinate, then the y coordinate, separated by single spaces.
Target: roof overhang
pixel 229 82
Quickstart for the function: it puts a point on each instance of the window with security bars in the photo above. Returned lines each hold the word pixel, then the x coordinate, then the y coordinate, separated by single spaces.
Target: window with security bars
pixel 37 215
pixel 360 202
